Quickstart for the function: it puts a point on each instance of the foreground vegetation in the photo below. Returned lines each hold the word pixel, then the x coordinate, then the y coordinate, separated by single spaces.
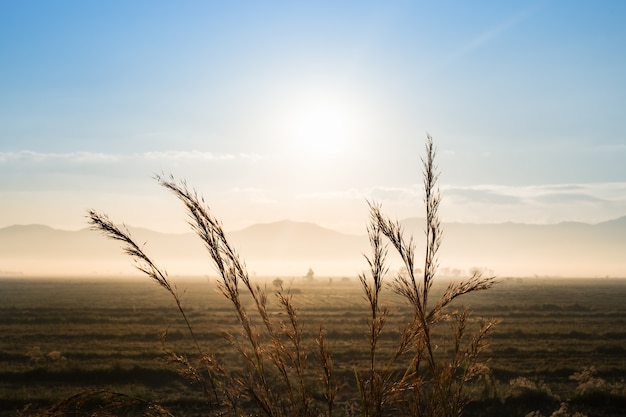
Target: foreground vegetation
pixel 60 337
pixel 276 378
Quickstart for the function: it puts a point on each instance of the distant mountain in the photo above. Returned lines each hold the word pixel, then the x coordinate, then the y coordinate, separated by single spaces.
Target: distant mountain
pixel 290 248
pixel 297 240
pixel 41 250
pixel 281 248
pixel 568 248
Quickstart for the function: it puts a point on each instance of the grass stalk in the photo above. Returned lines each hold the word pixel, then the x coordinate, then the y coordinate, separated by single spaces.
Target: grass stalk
pixel 436 382
pixel 412 379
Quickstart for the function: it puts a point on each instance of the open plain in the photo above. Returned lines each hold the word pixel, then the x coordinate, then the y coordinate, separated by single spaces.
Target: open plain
pixel 61 337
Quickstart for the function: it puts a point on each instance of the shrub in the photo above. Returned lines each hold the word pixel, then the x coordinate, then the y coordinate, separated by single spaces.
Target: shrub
pixel 525 395
pixel 594 391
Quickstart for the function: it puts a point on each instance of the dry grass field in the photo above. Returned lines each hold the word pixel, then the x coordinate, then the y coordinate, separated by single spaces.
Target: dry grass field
pixel 64 337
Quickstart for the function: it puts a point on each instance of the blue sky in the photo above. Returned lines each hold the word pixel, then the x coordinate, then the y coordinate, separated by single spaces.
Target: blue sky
pixel 302 110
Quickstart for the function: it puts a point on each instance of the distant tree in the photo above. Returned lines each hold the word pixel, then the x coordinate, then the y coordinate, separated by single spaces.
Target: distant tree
pixel 481 270
pixel 278 283
pixel 404 272
pixel 310 275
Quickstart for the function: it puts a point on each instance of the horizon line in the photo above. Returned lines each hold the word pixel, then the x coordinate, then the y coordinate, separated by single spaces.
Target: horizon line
pixel 319 225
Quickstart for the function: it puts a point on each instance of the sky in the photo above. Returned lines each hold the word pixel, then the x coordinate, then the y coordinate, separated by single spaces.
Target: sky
pixel 307 110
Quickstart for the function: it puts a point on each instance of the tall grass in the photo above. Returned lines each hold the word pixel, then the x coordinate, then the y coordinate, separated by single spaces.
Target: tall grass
pixel 433 383
pixel 286 370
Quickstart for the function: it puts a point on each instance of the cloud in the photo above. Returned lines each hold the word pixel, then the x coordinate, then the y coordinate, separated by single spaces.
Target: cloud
pixel 495 203
pixel 204 156
pixel 481 195
pixel 38 157
pixel 92 157
pixel 561 198
pixel 563 187
pixel 587 202
pixel 342 195
pixel 254 195
pixel 602 191
pixel 495 31
pixel 547 192
pixel 194 155
pixel 29 170
pixel 490 34
pixel 382 194
pixel 392 194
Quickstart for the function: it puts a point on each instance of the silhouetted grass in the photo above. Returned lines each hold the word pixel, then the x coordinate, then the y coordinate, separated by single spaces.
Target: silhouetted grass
pixel 274 372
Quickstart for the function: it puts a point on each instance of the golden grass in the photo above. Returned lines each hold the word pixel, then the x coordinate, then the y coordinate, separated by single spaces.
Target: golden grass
pixel 276 375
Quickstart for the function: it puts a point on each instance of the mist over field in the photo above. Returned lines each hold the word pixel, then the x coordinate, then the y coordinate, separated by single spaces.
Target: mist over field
pixel 290 248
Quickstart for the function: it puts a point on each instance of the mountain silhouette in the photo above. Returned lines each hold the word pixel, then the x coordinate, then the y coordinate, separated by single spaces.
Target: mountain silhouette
pixel 290 248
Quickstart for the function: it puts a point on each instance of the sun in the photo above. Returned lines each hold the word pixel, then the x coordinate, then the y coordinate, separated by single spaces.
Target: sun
pixel 321 125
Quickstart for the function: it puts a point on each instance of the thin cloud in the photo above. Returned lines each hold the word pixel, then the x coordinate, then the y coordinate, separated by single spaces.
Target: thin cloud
pixel 478 195
pixel 255 195
pixel 607 190
pixel 394 194
pixel 382 194
pixel 78 157
pixel 496 31
pixel 534 204
pixel 587 202
pixel 569 198
pixel 343 195
pixel 94 157
pixel 196 155
pixel 563 187
pixel 174 155
pixel 489 35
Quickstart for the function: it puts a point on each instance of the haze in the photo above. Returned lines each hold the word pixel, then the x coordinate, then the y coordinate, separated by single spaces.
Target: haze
pixel 303 110
pixel 289 248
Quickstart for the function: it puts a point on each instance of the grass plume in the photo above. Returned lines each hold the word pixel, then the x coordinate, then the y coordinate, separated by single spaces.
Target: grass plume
pixel 277 377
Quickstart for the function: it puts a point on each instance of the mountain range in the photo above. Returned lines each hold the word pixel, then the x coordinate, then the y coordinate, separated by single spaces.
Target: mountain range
pixel 289 248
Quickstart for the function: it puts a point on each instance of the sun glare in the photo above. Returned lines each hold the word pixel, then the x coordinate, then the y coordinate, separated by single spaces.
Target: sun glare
pixel 321 126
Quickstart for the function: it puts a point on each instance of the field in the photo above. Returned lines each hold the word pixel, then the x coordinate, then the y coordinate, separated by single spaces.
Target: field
pixel 62 337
